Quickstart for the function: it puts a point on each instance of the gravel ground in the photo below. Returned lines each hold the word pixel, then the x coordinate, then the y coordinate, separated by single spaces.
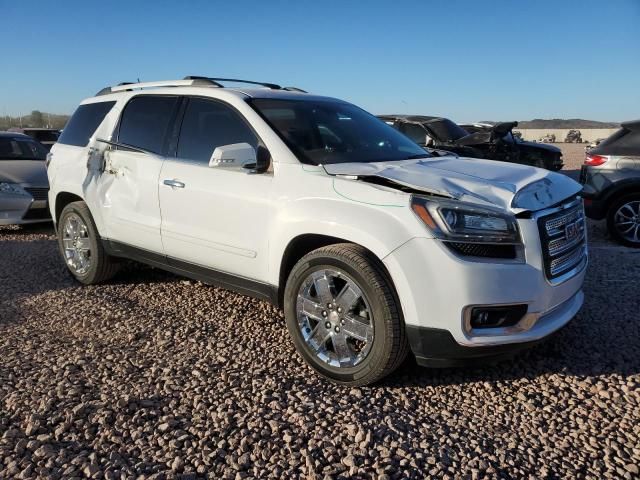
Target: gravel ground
pixel 153 376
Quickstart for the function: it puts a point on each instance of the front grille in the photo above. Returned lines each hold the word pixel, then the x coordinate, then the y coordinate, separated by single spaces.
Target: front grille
pixel 563 239
pixel 38 193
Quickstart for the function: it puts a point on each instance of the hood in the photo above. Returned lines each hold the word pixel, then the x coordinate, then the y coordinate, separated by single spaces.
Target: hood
pixel 27 172
pixel 512 187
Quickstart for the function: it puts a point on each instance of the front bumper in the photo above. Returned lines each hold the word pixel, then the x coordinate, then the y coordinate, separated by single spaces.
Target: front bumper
pixel 22 209
pixel 437 348
pixel 436 287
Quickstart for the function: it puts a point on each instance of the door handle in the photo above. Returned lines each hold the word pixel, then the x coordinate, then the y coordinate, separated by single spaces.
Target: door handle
pixel 173 183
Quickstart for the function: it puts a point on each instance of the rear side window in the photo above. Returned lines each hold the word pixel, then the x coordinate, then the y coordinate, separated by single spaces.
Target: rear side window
pixel 84 122
pixel 209 124
pixel 145 121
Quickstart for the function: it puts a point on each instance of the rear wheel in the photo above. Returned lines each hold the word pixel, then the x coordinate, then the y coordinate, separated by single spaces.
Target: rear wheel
pixel 623 220
pixel 81 248
pixel 343 315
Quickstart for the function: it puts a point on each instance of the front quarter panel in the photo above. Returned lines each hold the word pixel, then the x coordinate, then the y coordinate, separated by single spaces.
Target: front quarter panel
pixel 312 204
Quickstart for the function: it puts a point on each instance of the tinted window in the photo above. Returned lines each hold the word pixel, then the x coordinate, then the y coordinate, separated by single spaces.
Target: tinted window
pixel 145 121
pixel 45 135
pixel 21 149
pixel 414 132
pixel 84 122
pixel 445 130
pixel 324 132
pixel 208 124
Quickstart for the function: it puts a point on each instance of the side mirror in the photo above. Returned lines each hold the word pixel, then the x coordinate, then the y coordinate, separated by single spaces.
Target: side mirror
pixel 240 157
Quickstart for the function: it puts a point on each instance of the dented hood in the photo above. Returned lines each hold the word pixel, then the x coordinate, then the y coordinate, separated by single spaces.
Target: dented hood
pixel 513 187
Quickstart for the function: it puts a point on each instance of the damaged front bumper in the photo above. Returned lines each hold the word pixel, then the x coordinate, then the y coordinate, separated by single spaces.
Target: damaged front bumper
pixel 437 290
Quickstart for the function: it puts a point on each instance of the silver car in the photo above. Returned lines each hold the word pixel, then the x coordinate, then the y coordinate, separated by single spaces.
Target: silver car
pixel 24 186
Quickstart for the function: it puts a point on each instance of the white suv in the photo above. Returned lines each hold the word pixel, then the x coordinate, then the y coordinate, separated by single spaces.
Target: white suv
pixel 370 245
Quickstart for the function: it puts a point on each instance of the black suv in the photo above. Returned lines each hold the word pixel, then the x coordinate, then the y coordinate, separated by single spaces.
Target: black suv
pixel 495 142
pixel 611 179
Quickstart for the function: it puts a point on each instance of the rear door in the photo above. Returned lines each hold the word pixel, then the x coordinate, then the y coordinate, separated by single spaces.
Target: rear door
pixel 129 185
pixel 212 217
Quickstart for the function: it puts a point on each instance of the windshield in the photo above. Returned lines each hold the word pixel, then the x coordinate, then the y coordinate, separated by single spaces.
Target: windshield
pixel 21 149
pixel 326 132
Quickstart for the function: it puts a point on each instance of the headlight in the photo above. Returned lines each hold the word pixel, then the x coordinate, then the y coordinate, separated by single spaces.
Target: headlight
pixel 465 222
pixel 12 188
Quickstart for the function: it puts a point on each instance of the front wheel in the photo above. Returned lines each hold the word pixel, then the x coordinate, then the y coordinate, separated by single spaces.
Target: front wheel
pixel 623 220
pixel 343 316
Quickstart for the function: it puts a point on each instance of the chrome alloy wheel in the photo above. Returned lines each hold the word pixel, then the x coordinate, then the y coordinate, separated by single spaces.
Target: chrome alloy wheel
pixel 76 245
pixel 334 318
pixel 627 221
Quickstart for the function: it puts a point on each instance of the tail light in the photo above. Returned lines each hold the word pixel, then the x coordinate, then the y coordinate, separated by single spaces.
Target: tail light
pixel 595 160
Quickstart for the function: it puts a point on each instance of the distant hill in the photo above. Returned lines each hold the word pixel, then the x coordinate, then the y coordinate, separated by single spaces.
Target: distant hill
pixel 568 123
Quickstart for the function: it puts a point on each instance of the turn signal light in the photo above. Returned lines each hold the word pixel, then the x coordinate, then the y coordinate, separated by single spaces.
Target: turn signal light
pixel 595 160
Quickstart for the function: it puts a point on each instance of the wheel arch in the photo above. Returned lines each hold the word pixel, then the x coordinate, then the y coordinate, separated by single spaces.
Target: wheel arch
pixel 62 200
pixel 305 243
pixel 618 190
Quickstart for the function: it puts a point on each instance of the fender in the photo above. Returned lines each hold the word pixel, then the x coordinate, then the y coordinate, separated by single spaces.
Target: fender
pixel 380 230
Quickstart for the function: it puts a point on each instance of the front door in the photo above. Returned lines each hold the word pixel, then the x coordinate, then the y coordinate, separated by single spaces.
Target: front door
pixel 129 185
pixel 212 217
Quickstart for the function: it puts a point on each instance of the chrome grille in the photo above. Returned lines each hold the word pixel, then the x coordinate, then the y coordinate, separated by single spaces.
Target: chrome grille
pixel 38 193
pixel 563 239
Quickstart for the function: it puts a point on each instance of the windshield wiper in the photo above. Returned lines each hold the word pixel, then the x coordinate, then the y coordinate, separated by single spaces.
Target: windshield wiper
pixel 419 155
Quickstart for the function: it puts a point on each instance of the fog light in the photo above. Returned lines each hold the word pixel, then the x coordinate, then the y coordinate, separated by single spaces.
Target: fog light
pixel 493 317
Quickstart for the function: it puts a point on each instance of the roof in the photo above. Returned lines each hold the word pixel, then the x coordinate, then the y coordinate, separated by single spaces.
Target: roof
pixel 13 135
pixel 32 129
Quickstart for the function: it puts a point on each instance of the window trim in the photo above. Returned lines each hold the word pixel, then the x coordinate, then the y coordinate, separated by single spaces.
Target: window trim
pixel 170 124
pixel 172 154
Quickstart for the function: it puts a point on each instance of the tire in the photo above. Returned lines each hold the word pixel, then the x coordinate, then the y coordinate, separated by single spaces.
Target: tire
pixel 76 232
pixel 613 220
pixel 375 316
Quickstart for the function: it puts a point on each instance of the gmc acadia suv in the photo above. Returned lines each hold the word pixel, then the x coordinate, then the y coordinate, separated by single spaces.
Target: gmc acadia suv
pixel 371 246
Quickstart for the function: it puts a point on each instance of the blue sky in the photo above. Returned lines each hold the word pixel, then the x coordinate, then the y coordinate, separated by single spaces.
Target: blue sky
pixel 465 59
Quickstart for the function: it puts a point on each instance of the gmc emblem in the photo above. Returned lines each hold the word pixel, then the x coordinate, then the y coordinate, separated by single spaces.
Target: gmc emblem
pixel 571 231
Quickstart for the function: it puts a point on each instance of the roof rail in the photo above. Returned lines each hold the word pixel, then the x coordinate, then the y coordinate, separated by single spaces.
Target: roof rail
pixel 272 86
pixel 188 82
pixel 294 89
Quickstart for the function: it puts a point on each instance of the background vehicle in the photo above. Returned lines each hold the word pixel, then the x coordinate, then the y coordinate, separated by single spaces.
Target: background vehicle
pixel 317 206
pixel 550 138
pixel 593 144
pixel 46 136
pixel 573 136
pixel 611 179
pixel 491 142
pixel 23 180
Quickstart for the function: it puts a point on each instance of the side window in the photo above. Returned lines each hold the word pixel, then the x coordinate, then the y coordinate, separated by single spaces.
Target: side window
pixel 209 124
pixel 84 122
pixel 145 121
pixel 414 132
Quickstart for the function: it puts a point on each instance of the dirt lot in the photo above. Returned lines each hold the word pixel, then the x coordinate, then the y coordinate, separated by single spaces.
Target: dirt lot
pixel 155 376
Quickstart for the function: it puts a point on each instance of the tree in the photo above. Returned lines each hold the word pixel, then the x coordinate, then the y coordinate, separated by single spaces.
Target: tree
pixel 37 119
